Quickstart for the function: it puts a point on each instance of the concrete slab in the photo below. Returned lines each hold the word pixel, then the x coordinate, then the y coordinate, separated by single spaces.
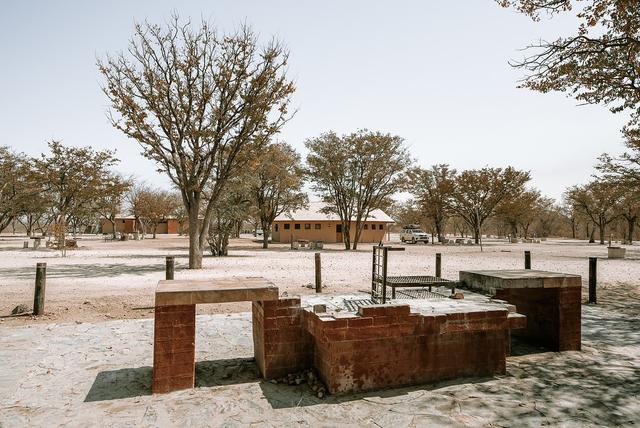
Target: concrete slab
pixel 217 290
pixel 492 280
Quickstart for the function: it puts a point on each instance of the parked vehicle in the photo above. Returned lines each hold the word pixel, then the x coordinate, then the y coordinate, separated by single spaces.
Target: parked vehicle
pixel 413 234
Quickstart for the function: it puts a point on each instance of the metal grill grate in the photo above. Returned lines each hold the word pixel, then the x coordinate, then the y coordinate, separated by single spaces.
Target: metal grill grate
pixel 418 293
pixel 416 280
pixel 353 304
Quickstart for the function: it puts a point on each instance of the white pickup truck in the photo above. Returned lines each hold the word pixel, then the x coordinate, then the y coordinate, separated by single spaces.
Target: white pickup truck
pixel 413 235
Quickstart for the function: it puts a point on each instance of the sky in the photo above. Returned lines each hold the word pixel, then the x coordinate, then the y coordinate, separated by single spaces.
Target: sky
pixel 435 73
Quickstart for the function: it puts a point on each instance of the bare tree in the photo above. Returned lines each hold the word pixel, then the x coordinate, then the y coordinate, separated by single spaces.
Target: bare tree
pixel 521 211
pixel 74 178
pixel 597 64
pixel 598 200
pixel 153 207
pixel 201 105
pixel 356 174
pixel 478 192
pixel 277 185
pixel 110 198
pixel 433 188
pixel 19 185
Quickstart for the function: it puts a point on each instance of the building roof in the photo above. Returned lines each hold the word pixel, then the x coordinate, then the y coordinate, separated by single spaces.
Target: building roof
pixel 314 213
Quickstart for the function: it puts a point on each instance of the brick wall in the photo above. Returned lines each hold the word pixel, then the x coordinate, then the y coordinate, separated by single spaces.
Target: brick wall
pixel 174 348
pixel 389 346
pixel 281 344
pixel 553 315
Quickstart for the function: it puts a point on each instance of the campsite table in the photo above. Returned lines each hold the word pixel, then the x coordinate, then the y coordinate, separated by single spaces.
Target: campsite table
pixel 175 322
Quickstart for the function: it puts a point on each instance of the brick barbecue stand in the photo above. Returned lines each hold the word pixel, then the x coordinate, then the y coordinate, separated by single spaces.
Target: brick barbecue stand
pixel 551 302
pixel 379 346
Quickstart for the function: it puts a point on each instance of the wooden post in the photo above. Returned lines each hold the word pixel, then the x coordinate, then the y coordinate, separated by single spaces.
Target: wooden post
pixel 318 274
pixel 25 244
pixel 593 276
pixel 41 281
pixel 438 265
pixel 527 259
pixel 170 267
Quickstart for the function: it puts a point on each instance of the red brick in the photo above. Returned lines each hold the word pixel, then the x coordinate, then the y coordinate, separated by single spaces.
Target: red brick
pixel 359 322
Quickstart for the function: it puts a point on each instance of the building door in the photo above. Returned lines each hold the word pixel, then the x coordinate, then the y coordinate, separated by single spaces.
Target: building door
pixel 338 233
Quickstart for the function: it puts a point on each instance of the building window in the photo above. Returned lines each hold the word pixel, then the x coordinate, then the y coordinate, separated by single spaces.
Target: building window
pixel 318 226
pixel 366 226
pixel 307 226
pixel 338 228
pixel 381 227
pixel 276 227
pixel 287 226
pixel 296 226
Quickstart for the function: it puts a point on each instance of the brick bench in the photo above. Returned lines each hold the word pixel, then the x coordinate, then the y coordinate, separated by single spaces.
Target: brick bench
pixel 175 323
pixel 551 302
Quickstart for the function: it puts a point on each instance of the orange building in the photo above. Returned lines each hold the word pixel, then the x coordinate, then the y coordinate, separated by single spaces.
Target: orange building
pixel 313 225
pixel 128 225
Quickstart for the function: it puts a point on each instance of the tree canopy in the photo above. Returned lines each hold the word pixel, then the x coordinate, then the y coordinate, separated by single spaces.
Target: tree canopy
pixel 201 104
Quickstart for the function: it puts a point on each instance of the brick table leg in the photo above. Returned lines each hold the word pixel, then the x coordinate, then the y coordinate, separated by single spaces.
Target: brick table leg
pixel 174 348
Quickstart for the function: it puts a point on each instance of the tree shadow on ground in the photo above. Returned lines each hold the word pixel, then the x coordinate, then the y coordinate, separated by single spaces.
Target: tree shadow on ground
pixel 93 270
pixel 598 386
pixel 135 382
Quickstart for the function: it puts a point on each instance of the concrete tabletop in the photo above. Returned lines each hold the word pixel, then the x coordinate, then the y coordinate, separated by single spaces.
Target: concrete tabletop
pixel 215 290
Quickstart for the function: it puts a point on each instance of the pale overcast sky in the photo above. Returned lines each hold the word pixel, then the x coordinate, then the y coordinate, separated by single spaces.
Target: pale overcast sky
pixel 435 73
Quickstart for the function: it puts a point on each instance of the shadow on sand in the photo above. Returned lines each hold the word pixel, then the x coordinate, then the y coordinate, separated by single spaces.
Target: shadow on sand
pixel 597 386
pixel 135 382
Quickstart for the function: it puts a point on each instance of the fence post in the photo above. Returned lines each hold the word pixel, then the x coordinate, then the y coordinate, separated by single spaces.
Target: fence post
pixel 593 275
pixel 318 274
pixel 438 265
pixel 527 259
pixel 41 281
pixel 170 267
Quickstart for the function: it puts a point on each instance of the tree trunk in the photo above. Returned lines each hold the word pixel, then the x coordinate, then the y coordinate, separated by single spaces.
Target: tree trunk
pixel 591 234
pixel 266 230
pixel 195 248
pixel 631 224
pixel 356 239
pixel 346 236
pixel 476 234
pixel 438 231
pixel 602 227
pixel 113 228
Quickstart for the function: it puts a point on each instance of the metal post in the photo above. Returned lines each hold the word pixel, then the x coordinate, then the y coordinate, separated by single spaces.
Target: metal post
pixel 41 281
pixel 593 276
pixel 373 276
pixel 527 259
pixel 438 265
pixel 318 274
pixel 170 267
pixel 385 252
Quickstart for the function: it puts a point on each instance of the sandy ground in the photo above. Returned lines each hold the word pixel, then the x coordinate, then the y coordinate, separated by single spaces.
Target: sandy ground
pixel 116 280
pixel 99 374
pixel 76 367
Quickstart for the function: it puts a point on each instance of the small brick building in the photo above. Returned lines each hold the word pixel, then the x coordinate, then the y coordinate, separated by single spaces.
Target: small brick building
pixel 314 225
pixel 127 224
